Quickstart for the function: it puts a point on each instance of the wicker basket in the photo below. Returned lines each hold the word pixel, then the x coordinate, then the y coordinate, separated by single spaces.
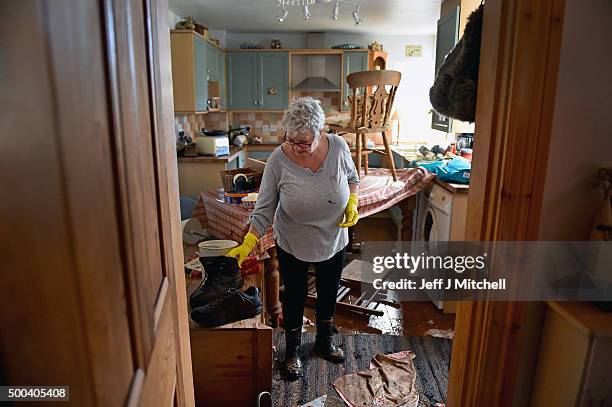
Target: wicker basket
pixel 227 177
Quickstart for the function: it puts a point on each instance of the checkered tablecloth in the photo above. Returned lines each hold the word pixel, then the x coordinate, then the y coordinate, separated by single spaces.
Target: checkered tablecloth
pixel 377 192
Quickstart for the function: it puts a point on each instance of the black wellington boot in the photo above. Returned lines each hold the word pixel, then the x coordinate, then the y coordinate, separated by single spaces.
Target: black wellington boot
pixel 292 365
pixel 221 273
pixel 324 345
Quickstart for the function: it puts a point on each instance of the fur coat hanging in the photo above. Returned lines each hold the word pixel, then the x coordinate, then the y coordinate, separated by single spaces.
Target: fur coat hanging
pixel 453 93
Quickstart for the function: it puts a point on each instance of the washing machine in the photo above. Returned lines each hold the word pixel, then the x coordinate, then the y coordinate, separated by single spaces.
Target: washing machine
pixel 433 218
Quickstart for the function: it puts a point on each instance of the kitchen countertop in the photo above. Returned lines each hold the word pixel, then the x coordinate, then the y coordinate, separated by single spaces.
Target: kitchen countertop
pixel 452 187
pixel 234 152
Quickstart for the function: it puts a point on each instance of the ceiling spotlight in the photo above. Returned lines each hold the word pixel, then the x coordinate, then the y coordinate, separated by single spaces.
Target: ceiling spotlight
pixel 306 12
pixel 336 11
pixel 284 14
pixel 356 18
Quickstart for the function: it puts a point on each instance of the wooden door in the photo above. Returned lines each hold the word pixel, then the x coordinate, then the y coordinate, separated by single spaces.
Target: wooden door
pixel 354 61
pixel 201 73
pixel 273 80
pixel 92 263
pixel 242 80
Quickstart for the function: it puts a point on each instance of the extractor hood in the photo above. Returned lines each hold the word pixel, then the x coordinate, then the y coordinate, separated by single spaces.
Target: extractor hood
pixel 316 73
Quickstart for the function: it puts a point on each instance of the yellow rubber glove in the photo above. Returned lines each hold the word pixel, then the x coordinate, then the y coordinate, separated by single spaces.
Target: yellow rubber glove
pixel 242 252
pixel 351 216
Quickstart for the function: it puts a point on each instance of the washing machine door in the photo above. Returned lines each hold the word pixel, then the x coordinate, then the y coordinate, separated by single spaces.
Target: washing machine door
pixel 429 227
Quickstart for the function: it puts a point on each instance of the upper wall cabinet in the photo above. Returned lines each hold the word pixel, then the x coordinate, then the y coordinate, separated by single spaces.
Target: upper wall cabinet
pixel 257 80
pixel 446 38
pixel 352 61
pixel 197 66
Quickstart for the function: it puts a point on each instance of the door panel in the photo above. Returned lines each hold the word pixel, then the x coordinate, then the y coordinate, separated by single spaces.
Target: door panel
pixel 274 76
pixel 211 63
pixel 242 80
pixel 354 61
pixel 201 78
pixel 221 71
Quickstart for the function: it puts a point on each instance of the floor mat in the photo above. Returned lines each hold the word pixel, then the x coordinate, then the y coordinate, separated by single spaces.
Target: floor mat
pixel 432 362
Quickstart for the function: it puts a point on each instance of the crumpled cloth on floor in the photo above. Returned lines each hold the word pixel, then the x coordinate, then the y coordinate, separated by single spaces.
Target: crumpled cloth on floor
pixel 391 382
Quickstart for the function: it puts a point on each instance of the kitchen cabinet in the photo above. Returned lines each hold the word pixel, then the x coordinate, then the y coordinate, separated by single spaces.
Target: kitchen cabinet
pixel 352 61
pixel 197 174
pixel 446 37
pixel 257 80
pixel 195 62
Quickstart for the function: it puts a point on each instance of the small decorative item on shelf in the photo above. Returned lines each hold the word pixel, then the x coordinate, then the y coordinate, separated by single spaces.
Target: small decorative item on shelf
pixel 347 46
pixel 214 41
pixel 250 45
pixel 255 139
pixel 375 46
pixel 276 44
pixel 202 30
pixel 188 24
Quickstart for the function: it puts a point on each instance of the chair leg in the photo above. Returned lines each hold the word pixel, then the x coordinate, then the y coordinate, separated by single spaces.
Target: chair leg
pixel 364 142
pixel 358 155
pixel 389 155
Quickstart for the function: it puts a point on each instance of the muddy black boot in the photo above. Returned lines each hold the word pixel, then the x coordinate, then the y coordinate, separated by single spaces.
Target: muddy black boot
pixel 221 273
pixel 291 366
pixel 324 345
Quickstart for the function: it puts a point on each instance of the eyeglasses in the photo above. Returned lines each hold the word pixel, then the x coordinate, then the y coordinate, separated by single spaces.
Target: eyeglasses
pixel 301 144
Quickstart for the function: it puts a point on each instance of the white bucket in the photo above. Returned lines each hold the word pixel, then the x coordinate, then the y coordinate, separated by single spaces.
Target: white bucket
pixel 215 247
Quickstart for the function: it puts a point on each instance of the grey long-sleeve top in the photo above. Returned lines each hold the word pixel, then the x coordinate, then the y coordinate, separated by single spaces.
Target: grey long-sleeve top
pixel 306 207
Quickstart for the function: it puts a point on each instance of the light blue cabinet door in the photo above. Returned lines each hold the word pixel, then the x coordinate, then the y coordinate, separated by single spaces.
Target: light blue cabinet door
pixel 221 74
pixel 352 61
pixel 242 81
pixel 212 68
pixel 201 83
pixel 273 80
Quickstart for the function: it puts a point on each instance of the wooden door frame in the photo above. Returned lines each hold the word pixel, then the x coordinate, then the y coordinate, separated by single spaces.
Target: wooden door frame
pixel 516 93
pixel 160 81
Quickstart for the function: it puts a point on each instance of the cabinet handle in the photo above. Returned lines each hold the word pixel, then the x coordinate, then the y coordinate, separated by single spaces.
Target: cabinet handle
pixel 254 102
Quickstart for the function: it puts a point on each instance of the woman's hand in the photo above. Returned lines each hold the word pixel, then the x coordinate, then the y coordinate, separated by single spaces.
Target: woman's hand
pixel 351 216
pixel 242 252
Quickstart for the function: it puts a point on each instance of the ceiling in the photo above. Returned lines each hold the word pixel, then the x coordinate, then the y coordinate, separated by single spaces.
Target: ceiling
pixel 382 17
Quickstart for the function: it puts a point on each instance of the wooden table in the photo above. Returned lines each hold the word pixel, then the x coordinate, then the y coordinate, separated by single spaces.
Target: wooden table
pixel 377 193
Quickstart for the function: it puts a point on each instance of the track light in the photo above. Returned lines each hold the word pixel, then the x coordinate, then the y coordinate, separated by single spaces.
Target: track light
pixel 336 13
pixel 284 14
pixel 306 12
pixel 356 18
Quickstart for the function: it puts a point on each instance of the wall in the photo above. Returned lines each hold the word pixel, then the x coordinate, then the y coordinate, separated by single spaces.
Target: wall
pixel 581 133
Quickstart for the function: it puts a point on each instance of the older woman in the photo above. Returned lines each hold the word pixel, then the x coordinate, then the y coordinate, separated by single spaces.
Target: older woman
pixel 309 189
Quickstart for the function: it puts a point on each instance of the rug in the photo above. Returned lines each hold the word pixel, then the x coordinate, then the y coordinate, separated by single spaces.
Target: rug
pixel 432 362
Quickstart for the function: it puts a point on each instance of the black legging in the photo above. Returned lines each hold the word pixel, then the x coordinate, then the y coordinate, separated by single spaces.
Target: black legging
pixel 295 279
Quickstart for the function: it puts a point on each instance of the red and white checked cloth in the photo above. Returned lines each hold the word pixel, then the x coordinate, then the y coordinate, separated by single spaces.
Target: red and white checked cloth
pixel 377 192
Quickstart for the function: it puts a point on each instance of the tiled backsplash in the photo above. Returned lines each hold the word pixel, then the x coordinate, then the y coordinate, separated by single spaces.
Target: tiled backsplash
pixel 191 124
pixel 265 124
pixel 329 100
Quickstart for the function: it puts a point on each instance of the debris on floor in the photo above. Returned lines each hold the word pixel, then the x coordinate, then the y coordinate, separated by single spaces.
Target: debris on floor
pixel 318 402
pixel 390 381
pixel 306 323
pixel 441 333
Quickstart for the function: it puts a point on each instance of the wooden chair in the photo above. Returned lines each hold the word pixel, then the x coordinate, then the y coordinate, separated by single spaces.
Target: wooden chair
pixel 369 114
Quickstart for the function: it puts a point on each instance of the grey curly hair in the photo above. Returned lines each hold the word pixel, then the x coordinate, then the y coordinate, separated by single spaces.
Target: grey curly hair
pixel 304 115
